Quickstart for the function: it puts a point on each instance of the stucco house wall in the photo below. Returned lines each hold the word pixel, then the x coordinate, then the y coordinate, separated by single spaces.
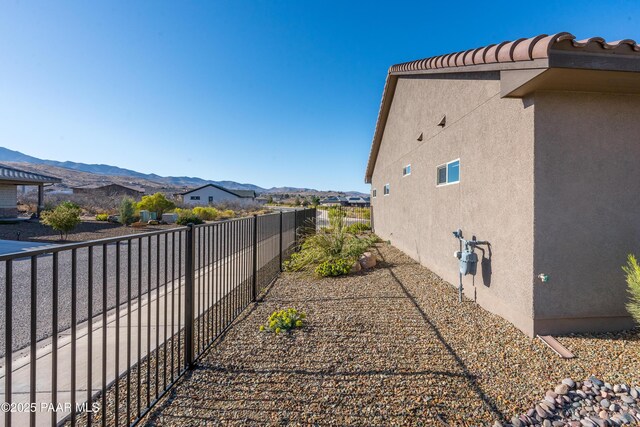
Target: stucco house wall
pixel 494 139
pixel 218 196
pixel 587 154
pixel 8 201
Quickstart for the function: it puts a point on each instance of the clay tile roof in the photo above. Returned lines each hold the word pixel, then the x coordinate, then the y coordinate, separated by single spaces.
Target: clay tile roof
pixel 517 51
pixel 512 51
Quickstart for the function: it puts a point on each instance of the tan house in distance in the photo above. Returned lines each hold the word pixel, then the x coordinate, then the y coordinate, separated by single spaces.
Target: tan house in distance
pixel 211 194
pixel 532 145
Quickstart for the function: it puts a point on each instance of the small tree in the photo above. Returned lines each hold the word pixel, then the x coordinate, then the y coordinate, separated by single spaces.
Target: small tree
pixel 297 201
pixel 127 211
pixel 632 270
pixel 64 218
pixel 315 200
pixel 270 200
pixel 157 203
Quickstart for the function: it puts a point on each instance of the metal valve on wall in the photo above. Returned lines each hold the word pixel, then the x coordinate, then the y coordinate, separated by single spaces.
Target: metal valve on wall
pixel 468 259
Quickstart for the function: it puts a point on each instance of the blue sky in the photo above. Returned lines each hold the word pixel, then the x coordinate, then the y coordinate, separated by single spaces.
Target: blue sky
pixel 268 92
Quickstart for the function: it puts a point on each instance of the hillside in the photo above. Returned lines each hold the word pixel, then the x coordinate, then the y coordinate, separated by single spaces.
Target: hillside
pixel 75 174
pixel 7 155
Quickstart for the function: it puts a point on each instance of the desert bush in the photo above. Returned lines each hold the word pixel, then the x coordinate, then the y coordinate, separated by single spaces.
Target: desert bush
pixel 206 213
pixel 336 217
pixel 334 267
pixel 102 217
pixel 186 216
pixel 357 228
pixel 127 211
pixel 364 213
pixel 330 245
pixel 90 204
pixel 632 270
pixel 63 218
pixel 284 320
pixel 227 214
pixel 157 203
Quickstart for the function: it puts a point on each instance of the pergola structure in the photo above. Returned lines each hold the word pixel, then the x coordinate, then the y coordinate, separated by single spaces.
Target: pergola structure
pixel 10 178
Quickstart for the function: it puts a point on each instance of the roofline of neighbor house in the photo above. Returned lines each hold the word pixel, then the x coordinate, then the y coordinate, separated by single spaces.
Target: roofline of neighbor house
pixel 220 188
pixel 22 177
pixel 98 187
pixel 542 52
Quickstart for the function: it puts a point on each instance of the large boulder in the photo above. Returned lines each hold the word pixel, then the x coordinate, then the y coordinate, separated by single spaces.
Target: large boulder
pixel 367 260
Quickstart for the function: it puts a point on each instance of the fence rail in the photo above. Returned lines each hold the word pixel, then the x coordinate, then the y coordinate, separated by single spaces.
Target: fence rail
pixel 349 215
pixel 96 332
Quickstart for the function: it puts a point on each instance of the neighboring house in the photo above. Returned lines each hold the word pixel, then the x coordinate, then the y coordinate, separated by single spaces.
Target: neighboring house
pixel 532 145
pixel 334 201
pixel 10 179
pixel 211 194
pixel 109 190
pixel 358 201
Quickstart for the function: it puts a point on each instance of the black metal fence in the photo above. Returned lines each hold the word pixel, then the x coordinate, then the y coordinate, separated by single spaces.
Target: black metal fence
pixel 347 215
pixel 96 332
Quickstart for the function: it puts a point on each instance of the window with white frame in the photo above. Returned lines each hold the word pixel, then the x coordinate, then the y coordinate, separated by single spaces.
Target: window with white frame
pixel 386 189
pixel 374 193
pixel 195 197
pixel 449 173
pixel 406 170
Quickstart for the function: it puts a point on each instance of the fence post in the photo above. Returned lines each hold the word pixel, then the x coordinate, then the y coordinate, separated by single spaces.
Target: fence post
pixel 254 293
pixel 295 228
pixel 281 241
pixel 189 279
pixel 314 220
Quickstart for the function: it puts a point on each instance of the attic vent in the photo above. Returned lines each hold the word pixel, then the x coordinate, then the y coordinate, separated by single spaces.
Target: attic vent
pixel 443 121
pixel 420 137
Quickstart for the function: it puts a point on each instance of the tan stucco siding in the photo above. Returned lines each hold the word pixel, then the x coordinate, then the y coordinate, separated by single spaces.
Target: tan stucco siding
pixel 8 196
pixel 219 196
pixel 493 138
pixel 586 207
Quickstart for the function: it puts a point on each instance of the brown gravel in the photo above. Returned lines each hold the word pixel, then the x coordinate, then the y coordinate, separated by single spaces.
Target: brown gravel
pixel 87 230
pixel 390 346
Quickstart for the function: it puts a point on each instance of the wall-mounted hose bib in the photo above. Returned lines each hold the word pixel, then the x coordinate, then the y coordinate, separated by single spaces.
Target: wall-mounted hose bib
pixel 468 259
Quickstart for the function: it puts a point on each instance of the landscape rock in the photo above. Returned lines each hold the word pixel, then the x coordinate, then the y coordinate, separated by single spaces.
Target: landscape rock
pixel 367 260
pixel 597 404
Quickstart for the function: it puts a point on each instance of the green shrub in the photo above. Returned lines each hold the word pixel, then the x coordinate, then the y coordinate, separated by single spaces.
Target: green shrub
pixel 357 228
pixel 157 203
pixel 632 270
pixel 102 217
pixel 127 211
pixel 186 217
pixel 364 213
pixel 206 213
pixel 284 320
pixel 328 245
pixel 70 205
pixel 64 218
pixel 334 267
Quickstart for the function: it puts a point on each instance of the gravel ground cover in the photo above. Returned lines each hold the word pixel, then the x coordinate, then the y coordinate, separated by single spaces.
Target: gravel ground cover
pixel 87 230
pixel 391 346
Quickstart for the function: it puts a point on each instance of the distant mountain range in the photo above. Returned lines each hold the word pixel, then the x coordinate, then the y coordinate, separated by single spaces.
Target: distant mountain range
pixel 7 155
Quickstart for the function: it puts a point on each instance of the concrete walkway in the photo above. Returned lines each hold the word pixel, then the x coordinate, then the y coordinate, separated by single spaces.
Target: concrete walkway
pixel 150 319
